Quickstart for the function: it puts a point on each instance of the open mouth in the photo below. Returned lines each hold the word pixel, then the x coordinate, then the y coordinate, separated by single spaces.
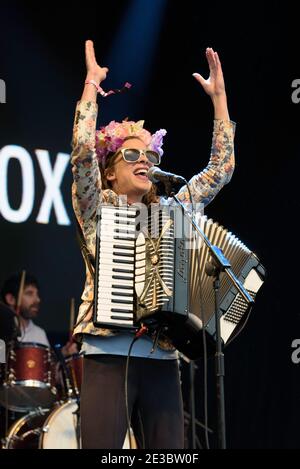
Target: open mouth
pixel 141 174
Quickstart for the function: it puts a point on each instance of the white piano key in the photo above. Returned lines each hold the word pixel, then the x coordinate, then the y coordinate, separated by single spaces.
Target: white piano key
pixel 140 271
pixel 116 322
pixel 109 290
pixel 140 241
pixel 110 215
pixel 109 266
pixel 118 237
pixel 109 313
pixel 108 240
pixel 108 302
pixel 110 275
pixel 140 257
pixel 141 277
pixel 106 297
pixel 122 285
pixel 117 264
pixel 114 255
pixel 123 227
pixel 108 243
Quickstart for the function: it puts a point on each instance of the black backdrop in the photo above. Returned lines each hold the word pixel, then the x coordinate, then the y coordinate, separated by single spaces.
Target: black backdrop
pixel 42 63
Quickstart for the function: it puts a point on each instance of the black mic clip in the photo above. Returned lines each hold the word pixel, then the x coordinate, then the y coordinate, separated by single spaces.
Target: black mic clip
pixel 167 183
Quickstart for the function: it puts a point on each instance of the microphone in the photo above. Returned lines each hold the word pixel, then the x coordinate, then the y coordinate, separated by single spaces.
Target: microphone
pixel 157 175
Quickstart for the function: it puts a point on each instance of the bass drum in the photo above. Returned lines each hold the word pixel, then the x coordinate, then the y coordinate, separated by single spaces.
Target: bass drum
pixel 25 433
pixel 45 429
pixel 50 430
pixel 61 429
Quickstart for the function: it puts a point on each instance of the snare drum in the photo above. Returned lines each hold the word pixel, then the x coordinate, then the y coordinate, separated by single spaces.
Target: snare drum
pixel 27 379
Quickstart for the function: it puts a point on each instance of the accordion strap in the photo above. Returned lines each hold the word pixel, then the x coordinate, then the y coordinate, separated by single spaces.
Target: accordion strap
pixel 87 256
pixel 89 260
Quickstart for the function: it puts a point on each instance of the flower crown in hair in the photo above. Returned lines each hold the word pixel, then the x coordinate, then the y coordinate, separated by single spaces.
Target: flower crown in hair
pixel 111 137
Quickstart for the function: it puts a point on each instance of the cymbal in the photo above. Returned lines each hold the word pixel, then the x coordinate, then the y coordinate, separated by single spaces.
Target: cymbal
pixel 8 328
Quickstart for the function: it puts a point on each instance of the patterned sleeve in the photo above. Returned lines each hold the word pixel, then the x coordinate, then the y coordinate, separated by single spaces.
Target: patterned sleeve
pixel 86 187
pixel 206 185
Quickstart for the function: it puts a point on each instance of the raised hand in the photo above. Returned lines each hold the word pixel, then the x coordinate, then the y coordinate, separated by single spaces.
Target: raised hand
pixel 94 71
pixel 214 86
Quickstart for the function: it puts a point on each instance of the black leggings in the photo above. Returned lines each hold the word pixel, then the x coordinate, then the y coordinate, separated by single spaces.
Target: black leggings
pixel 154 399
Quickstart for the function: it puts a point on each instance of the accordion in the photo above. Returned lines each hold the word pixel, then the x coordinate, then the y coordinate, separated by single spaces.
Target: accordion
pixel 150 270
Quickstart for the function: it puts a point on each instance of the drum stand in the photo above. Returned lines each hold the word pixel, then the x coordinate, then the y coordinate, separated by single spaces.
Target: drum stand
pixel 10 347
pixel 71 391
pixel 77 430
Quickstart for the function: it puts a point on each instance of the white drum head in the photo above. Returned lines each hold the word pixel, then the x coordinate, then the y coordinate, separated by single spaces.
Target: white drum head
pixel 60 429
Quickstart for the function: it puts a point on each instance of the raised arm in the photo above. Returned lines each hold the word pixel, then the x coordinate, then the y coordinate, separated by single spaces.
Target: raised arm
pixel 93 72
pixel 214 86
pixel 87 180
pixel 206 185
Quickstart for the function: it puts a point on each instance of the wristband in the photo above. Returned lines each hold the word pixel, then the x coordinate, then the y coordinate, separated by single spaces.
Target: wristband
pixel 105 94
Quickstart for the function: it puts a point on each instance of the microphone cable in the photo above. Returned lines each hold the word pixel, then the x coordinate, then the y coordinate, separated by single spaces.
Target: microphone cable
pixel 138 334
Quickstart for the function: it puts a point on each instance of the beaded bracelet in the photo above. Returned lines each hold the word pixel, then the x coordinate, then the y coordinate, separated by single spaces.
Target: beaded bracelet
pixel 105 94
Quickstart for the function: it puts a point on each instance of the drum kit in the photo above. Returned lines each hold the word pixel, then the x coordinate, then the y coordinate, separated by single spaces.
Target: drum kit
pixel 39 389
pixel 39 392
pixel 42 412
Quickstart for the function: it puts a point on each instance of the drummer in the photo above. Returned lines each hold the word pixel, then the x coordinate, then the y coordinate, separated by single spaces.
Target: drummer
pixel 29 306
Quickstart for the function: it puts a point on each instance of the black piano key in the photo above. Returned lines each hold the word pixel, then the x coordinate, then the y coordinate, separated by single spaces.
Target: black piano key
pixel 123 231
pixel 118 293
pixel 122 271
pixel 119 277
pixel 123 238
pixel 123 287
pixel 117 310
pixel 122 246
pixel 128 215
pixel 124 254
pixel 120 318
pixel 123 261
pixel 127 222
pixel 123 302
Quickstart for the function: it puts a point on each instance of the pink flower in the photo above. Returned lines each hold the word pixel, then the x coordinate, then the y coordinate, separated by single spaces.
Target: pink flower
pixel 108 139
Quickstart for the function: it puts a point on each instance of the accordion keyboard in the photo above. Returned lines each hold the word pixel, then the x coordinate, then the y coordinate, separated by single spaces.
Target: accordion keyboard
pixel 115 297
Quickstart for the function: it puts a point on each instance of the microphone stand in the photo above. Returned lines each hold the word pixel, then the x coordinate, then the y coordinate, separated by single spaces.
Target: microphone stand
pixel 192 403
pixel 219 264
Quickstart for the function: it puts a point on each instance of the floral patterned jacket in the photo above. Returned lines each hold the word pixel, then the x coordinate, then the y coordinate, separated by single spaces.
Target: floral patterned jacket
pixel 87 193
